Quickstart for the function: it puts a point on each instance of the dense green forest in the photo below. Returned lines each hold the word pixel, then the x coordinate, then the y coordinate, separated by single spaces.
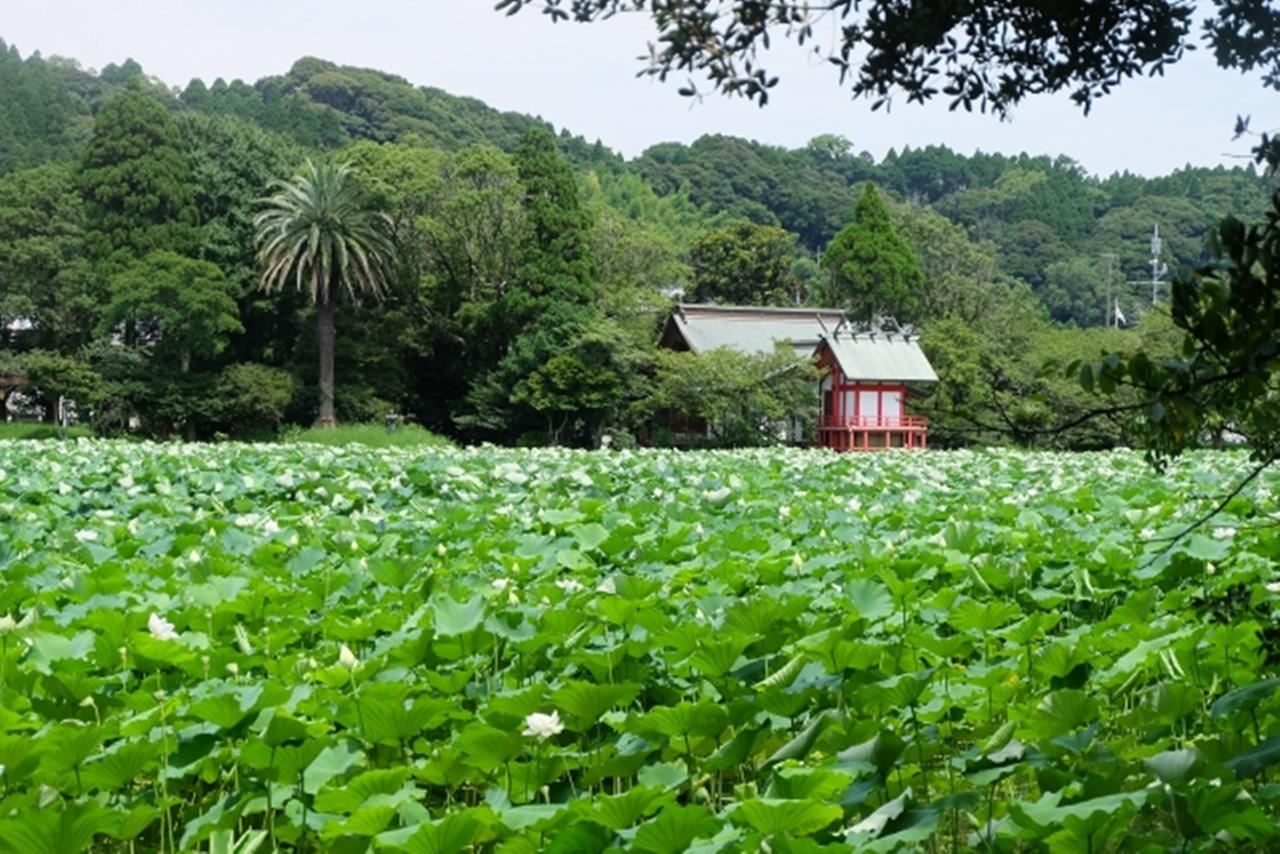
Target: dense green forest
pixel 533 266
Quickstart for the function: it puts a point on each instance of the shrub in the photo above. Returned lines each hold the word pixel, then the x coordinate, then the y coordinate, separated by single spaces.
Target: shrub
pixel 254 396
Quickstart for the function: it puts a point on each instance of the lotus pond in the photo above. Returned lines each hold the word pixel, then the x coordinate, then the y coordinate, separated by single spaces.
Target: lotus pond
pixel 234 648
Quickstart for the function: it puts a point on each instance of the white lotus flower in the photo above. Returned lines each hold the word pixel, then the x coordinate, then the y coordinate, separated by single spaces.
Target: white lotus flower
pixel 784 511
pixel 1224 533
pixel 569 585
pixel 500 583
pixel 1273 587
pixel 233 668
pixel 7 624
pixel 543 726
pixel 347 658
pixel 86 536
pixel 607 586
pixel 160 628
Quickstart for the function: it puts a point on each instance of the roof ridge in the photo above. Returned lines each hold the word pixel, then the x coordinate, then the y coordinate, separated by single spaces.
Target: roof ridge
pixel 761 309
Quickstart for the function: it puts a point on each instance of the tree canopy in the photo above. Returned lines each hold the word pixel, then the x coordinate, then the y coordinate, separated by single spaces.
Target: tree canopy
pixel 745 264
pixel 974 54
pixel 182 308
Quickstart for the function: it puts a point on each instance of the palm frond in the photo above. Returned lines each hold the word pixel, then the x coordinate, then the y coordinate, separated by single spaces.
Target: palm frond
pixel 317 232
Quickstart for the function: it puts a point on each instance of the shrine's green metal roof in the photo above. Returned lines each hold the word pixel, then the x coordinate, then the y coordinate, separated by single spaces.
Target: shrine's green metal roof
pixel 867 356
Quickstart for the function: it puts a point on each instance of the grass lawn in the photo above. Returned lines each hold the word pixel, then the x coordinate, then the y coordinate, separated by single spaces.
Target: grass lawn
pixel 370 435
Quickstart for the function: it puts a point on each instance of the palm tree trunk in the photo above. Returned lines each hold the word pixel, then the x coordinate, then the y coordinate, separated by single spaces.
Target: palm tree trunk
pixel 324 335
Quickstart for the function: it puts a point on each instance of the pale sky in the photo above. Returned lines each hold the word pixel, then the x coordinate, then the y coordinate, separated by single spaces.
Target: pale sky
pixel 582 77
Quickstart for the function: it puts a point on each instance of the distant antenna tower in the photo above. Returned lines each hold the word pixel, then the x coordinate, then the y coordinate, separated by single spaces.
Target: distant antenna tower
pixel 1158 269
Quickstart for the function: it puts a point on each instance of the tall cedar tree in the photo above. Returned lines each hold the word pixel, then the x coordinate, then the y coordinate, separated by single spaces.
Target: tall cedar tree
pixel 557 264
pixel 873 271
pixel 136 183
pixel 553 298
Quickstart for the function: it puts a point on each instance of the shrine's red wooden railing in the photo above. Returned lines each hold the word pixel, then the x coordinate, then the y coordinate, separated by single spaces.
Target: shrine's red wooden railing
pixel 874 422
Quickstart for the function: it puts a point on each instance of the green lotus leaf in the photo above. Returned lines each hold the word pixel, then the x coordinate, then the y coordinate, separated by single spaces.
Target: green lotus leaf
pixel 359 789
pixel 1064 711
pixel 795 817
pixel 448 835
pixel 73 827
pixel 871 599
pixel 1243 699
pixel 683 720
pixel 619 812
pixel 674 829
pixel 458 618
pixel 799 747
pixel 589 701
pixel 331 762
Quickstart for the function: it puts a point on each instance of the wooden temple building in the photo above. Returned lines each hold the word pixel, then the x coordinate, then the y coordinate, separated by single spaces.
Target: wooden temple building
pixel 867 374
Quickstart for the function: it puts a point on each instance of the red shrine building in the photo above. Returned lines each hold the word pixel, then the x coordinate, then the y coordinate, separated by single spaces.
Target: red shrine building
pixel 867 374
pixel 864 390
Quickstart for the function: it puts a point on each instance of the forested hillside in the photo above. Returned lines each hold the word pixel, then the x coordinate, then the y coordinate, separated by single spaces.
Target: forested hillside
pixel 514 317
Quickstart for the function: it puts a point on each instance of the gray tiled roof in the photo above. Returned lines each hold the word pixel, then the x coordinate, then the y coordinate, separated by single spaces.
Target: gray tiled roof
pixel 753 330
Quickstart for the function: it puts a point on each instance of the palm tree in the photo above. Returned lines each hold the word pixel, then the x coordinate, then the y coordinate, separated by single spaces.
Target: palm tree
pixel 319 232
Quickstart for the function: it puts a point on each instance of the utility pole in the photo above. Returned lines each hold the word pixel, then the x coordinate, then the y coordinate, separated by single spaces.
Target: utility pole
pixel 1108 308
